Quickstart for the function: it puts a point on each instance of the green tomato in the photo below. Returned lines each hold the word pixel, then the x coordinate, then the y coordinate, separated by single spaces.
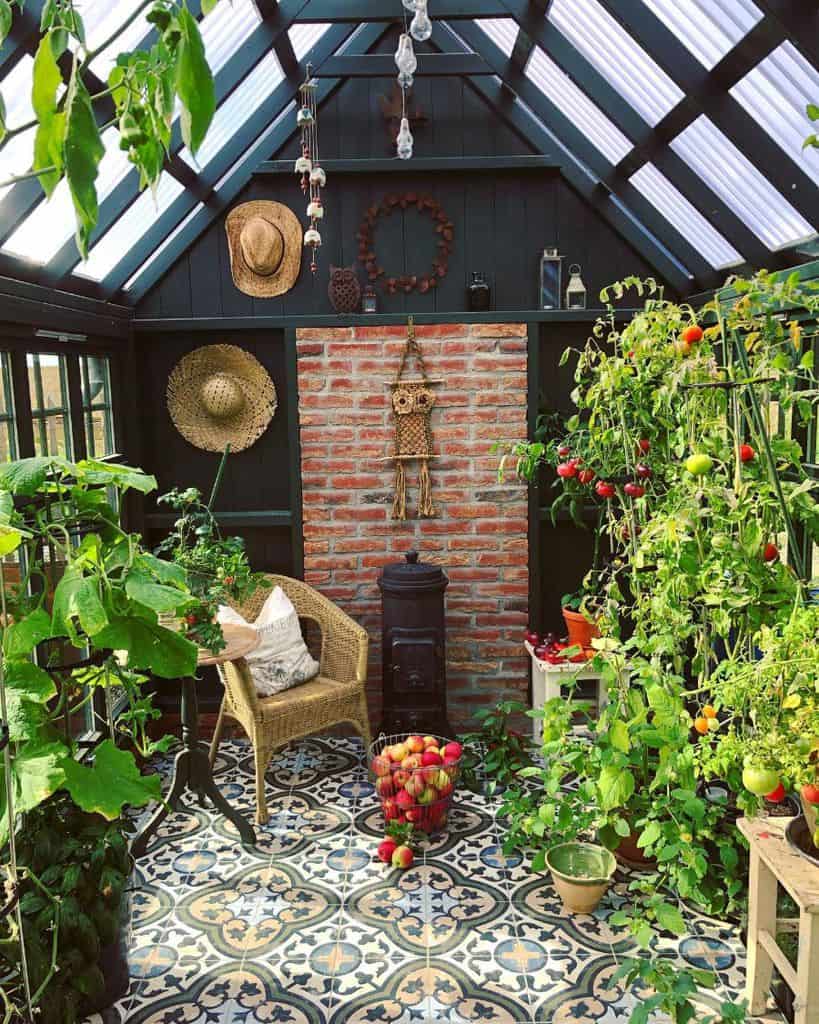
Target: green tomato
pixel 759 781
pixel 804 745
pixel 816 838
pixel 699 464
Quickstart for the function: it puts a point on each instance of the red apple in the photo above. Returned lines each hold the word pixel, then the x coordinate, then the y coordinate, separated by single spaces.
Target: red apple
pixel 430 741
pixel 390 809
pixel 415 784
pixel 415 815
pixel 429 796
pixel 531 637
pixel 400 778
pixel 414 744
pixel 451 750
pixel 431 757
pixel 402 857
pixel 411 762
pixel 403 800
pixel 380 765
pixel 384 786
pixel 398 752
pixel 386 849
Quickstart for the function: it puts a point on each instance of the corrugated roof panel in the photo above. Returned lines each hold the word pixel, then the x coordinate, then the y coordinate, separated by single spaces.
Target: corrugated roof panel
pixel 226 28
pixel 600 38
pixel 740 185
pixel 43 233
pixel 102 19
pixel 775 93
pixel 161 248
pixel 685 217
pixel 237 109
pixel 576 105
pixel 17 154
pixel 124 234
pixel 502 31
pixel 708 28
pixel 305 36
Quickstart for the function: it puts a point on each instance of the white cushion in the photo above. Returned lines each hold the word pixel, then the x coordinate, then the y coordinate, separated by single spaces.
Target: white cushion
pixel 281 660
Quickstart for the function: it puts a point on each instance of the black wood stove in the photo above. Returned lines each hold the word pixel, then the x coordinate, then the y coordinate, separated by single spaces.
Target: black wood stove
pixel 414 647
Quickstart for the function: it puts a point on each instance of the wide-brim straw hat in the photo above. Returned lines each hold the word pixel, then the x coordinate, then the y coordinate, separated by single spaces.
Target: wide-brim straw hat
pixel 219 395
pixel 265 243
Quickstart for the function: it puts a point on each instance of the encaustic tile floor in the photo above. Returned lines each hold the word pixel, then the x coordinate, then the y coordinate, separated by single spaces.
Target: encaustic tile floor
pixel 308 928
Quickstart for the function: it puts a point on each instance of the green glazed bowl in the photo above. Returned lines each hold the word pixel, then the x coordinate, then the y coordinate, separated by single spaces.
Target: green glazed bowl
pixel 581 863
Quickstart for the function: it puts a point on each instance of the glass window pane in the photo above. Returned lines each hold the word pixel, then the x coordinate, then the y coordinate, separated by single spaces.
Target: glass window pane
pixel 740 185
pixel 633 73
pixel 105 18
pixel 239 106
pixel 304 37
pixel 131 226
pixel 226 28
pixel 685 217
pixel 502 31
pixel 48 384
pixel 98 417
pixel 776 94
pixel 17 155
pixel 8 430
pixel 578 108
pixel 708 28
pixel 166 241
pixel 51 224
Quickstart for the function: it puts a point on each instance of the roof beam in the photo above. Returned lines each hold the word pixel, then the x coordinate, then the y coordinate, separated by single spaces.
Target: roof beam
pixel 382 65
pixel 240 160
pixel 345 11
pixel 618 110
pixel 268 11
pixel 800 22
pixel 707 92
pixel 580 161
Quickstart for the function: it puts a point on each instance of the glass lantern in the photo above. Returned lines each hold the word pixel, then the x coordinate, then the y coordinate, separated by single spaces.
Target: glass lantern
pixel 576 290
pixel 551 265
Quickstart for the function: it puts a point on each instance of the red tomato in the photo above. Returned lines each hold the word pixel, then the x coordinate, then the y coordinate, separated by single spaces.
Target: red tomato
pixel 777 796
pixel 810 793
pixel 563 451
pixel 642 470
pixel 691 335
pixel 644 445
pixel 605 489
pixel 770 552
pixel 567 469
pixel 746 453
pixel 634 490
pixel 585 476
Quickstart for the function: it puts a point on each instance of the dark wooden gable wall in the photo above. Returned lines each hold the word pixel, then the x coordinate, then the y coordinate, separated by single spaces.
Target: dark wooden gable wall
pixel 503 219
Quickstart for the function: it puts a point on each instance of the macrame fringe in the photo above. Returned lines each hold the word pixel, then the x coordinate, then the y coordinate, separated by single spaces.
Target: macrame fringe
pixel 399 502
pixel 426 510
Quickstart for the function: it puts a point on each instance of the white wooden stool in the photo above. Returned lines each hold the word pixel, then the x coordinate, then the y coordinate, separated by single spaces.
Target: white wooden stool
pixel 547 680
pixel 774 863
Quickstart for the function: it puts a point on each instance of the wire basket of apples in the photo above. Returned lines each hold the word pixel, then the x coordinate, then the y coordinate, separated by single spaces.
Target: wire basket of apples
pixel 415 778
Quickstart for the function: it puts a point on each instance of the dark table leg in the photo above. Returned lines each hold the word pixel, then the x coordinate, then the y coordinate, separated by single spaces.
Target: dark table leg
pixel 192 771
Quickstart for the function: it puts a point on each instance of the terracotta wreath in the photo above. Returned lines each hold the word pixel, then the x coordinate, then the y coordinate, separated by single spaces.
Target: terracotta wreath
pixel 406 282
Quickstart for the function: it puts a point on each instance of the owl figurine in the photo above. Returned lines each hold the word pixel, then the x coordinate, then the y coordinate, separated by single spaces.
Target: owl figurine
pixel 344 290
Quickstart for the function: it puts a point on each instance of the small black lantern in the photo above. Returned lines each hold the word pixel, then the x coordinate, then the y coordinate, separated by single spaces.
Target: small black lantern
pixel 478 294
pixel 369 300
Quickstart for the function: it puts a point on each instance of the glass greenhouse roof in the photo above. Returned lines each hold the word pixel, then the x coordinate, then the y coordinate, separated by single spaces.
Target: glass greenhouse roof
pixel 692 165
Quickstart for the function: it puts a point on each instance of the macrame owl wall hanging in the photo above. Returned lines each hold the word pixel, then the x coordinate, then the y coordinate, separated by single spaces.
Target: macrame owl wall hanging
pixel 412 402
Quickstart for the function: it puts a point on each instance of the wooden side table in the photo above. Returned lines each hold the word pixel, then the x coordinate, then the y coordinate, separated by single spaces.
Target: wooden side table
pixel 547 680
pixel 774 863
pixel 192 770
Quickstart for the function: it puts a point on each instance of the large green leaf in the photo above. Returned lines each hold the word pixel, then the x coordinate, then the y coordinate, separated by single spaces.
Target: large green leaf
pixel 670 918
pixel 22 637
pixel 5 19
pixel 37 771
pixel 194 82
pixel 83 151
pixel 27 690
pixel 111 782
pixel 165 572
pixel 77 596
pixel 616 786
pixel 48 140
pixel 26 476
pixel 93 472
pixel 139 586
pixel 618 734
pixel 30 679
pixel 149 647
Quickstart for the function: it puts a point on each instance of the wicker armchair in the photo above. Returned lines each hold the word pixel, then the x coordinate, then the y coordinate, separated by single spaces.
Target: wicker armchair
pixel 334 696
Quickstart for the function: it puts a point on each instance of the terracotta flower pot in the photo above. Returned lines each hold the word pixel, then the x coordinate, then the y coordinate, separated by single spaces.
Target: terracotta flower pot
pixel 633 855
pixel 581 873
pixel 810 812
pixel 580 630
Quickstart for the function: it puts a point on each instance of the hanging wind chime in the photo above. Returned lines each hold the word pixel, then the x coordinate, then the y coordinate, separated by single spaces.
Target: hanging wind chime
pixel 420 29
pixel 313 178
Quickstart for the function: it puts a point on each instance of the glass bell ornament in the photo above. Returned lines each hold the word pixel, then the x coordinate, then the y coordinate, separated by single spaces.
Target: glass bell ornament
pixel 421 26
pixel 304 117
pixel 315 210
pixel 304 165
pixel 312 238
pixel 318 177
pixel 405 59
pixel 404 141
pixel 405 80
pixel 410 4
pixel 576 290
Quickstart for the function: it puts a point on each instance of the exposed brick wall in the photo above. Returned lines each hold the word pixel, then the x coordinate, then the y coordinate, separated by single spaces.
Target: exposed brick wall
pixel 480 534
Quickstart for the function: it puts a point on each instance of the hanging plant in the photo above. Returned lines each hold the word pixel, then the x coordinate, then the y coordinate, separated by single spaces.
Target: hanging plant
pixel 407 283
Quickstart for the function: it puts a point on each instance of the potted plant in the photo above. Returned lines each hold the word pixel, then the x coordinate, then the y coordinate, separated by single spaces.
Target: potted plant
pixel 63 811
pixel 216 568
pixel 581 611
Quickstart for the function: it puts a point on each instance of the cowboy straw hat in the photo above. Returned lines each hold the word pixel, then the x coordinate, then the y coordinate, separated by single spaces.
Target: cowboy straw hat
pixel 264 239
pixel 221 394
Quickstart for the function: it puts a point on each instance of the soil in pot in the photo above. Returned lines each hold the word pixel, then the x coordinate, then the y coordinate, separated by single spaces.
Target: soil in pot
pixel 581 873
pixel 581 631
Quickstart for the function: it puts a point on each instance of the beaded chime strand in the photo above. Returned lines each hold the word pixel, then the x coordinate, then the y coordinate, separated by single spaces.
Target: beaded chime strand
pixel 313 178
pixel 420 29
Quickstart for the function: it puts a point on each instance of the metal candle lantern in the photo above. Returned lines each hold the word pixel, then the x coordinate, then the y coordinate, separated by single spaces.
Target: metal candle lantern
pixel 479 294
pixel 576 291
pixel 551 263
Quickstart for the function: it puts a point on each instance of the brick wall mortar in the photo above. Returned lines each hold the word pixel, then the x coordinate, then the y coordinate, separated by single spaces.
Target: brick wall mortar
pixel 480 534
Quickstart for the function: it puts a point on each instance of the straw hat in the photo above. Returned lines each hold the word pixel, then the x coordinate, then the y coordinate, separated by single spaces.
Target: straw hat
pixel 221 394
pixel 264 239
